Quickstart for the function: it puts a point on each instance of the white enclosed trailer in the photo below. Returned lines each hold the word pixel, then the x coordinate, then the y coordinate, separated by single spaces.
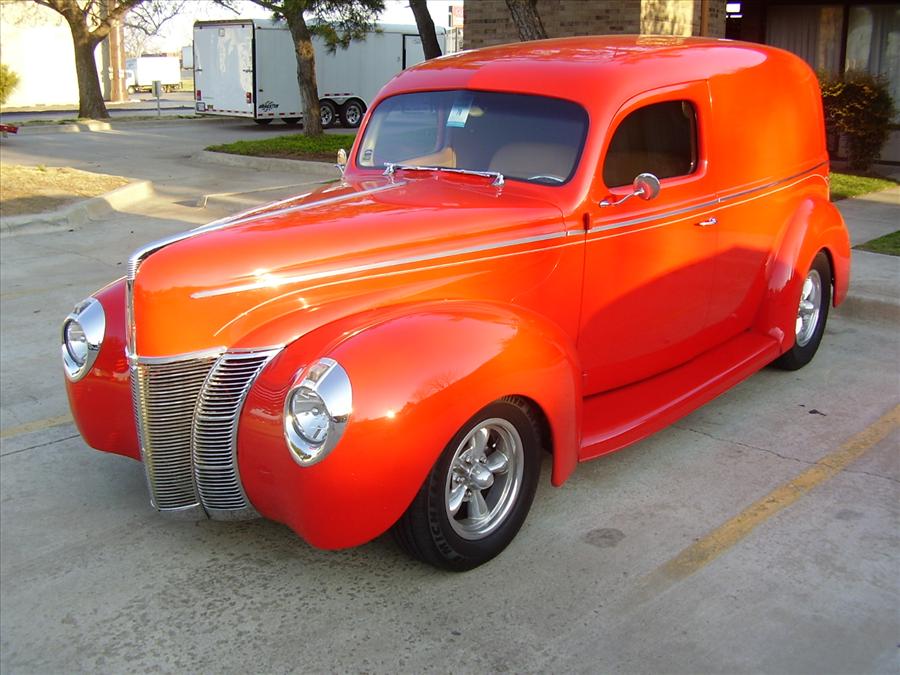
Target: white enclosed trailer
pixel 247 68
pixel 141 72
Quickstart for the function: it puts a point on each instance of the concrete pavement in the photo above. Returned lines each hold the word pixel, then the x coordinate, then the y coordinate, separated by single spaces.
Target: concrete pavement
pixel 93 580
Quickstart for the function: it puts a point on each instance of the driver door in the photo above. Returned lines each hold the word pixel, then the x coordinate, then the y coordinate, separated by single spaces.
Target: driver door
pixel 649 263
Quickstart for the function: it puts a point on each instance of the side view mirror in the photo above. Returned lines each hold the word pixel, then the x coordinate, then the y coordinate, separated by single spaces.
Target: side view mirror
pixel 645 185
pixel 342 161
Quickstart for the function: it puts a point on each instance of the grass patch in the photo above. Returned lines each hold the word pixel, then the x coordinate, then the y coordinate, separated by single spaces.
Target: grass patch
pixel 844 185
pixel 889 244
pixel 295 146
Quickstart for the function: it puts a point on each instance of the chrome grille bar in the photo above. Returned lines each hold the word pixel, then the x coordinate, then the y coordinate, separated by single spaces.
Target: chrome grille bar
pixel 214 440
pixel 165 394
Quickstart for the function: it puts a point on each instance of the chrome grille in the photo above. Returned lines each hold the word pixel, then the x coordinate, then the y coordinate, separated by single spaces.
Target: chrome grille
pixel 187 412
pixel 165 395
pixel 215 432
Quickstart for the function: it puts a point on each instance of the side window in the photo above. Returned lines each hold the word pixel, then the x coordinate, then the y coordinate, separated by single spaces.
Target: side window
pixel 660 139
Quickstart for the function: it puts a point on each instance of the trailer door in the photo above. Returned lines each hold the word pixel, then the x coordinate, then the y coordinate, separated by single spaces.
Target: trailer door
pixel 413 52
pixel 277 90
pixel 223 69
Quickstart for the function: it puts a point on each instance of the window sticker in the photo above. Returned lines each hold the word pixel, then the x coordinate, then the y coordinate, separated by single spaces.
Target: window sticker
pixel 459 113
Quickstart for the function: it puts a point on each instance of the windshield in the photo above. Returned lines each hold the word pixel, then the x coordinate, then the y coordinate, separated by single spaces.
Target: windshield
pixel 530 138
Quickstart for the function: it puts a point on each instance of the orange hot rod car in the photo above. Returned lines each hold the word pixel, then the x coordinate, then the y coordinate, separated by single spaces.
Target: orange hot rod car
pixel 562 245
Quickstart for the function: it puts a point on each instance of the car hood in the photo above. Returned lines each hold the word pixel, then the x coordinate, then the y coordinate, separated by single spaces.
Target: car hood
pixel 340 250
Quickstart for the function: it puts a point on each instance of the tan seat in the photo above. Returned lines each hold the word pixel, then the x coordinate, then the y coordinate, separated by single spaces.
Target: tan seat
pixel 525 160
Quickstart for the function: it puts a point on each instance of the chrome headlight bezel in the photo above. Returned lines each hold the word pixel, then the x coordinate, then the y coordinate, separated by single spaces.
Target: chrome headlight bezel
pixel 89 318
pixel 325 383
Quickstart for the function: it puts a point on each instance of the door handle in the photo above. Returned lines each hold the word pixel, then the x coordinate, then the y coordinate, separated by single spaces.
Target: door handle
pixel 707 223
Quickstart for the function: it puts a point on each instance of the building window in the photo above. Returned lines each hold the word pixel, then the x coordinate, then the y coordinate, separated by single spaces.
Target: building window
pixel 873 43
pixel 812 32
pixel 660 139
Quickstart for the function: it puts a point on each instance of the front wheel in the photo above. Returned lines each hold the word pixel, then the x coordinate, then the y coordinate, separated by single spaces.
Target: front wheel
pixel 812 314
pixel 478 493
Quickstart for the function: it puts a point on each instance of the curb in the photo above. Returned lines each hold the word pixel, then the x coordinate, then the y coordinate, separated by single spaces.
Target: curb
pixel 316 169
pixel 69 128
pixel 78 127
pixel 79 213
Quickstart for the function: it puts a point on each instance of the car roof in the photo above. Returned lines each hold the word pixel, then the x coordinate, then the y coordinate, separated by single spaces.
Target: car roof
pixel 567 67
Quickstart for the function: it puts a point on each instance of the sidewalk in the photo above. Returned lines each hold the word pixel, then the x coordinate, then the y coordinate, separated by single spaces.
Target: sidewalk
pixel 874 277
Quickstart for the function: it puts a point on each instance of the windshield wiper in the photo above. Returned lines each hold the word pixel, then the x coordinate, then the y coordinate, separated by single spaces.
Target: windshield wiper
pixel 497 177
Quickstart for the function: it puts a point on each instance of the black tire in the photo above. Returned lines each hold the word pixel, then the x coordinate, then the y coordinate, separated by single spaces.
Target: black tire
pixel 461 541
pixel 809 335
pixel 131 89
pixel 328 114
pixel 263 122
pixel 352 113
pixel 291 121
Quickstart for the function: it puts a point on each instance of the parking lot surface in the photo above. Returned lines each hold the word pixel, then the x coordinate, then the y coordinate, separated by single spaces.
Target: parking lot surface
pixel 759 534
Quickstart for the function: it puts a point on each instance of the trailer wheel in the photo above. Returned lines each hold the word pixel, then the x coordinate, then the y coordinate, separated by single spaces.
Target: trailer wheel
pixel 352 113
pixel 264 121
pixel 328 113
pixel 131 89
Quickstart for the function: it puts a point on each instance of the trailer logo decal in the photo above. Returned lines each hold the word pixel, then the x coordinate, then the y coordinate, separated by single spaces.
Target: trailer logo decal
pixel 266 106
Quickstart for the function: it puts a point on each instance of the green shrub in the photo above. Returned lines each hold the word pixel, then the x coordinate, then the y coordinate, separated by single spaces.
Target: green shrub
pixel 8 81
pixel 859 107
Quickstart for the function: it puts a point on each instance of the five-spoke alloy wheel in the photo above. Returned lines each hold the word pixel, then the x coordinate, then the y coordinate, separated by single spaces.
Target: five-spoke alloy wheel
pixel 478 493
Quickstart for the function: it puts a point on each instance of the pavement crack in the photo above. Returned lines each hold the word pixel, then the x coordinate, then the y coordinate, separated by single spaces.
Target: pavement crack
pixel 39 445
pixel 748 446
pixel 873 475
pixel 780 456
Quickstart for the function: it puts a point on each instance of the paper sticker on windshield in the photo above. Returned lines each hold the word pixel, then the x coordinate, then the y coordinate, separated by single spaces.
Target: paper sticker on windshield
pixel 459 113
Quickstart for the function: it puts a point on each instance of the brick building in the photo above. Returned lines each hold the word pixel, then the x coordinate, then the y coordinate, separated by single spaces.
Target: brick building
pixel 488 22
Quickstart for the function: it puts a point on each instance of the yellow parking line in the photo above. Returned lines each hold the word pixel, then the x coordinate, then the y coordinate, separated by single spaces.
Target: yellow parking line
pixel 720 540
pixel 35 426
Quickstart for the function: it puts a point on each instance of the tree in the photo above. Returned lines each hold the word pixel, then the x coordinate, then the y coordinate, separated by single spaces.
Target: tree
pixel 90 22
pixel 145 20
pixel 528 21
pixel 338 22
pixel 426 28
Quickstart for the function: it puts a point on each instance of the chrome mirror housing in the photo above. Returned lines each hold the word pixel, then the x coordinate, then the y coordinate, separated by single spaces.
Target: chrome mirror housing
pixel 645 185
pixel 341 160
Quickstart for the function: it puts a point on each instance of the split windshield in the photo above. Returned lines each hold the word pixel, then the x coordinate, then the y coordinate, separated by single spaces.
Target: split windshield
pixel 523 137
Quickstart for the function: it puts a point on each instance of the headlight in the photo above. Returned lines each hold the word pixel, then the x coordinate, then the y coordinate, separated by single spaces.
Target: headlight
pixel 82 335
pixel 316 411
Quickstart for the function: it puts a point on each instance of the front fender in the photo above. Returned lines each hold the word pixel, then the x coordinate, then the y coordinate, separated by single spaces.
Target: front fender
pixel 416 376
pixel 101 402
pixel 816 225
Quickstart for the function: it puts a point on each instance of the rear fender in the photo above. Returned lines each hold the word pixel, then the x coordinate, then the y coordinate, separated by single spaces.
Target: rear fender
pixel 815 226
pixel 417 377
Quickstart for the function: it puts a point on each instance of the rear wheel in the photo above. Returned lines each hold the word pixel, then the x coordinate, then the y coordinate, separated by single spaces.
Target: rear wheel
pixel 327 114
pixel 812 314
pixel 478 493
pixel 352 113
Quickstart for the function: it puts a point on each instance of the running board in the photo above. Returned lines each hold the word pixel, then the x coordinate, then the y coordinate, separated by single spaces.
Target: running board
pixel 615 419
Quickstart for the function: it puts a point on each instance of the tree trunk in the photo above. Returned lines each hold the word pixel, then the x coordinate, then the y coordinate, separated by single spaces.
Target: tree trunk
pixel 426 28
pixel 306 70
pixel 90 96
pixel 528 22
